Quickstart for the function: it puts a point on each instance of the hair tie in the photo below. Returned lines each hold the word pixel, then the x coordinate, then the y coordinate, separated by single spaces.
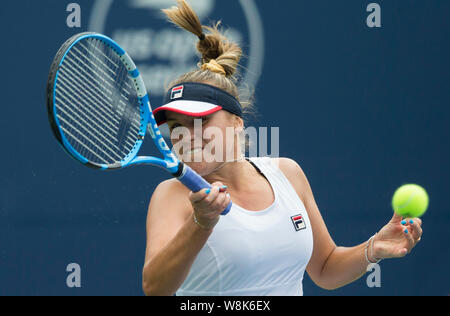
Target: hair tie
pixel 214 66
pixel 202 37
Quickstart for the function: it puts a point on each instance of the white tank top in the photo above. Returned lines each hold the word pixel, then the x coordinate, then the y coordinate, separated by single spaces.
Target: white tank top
pixel 256 253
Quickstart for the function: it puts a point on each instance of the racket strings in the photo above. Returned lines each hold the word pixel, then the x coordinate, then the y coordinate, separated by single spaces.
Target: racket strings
pixel 83 124
pixel 89 86
pixel 97 81
pixel 92 112
pixel 97 105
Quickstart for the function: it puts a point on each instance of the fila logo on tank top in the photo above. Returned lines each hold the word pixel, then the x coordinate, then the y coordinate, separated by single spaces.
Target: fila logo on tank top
pixel 256 252
pixel 298 222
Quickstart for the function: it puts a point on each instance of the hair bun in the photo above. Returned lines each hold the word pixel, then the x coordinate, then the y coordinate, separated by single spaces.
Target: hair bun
pixel 214 45
pixel 214 66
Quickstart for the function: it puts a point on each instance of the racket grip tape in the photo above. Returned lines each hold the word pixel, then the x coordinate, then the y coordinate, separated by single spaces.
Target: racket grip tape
pixel 194 182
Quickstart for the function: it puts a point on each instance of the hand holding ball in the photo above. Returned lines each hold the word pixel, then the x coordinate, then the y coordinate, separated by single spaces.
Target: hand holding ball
pixel 410 200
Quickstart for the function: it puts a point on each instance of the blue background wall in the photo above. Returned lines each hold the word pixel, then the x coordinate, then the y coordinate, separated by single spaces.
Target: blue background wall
pixel 362 111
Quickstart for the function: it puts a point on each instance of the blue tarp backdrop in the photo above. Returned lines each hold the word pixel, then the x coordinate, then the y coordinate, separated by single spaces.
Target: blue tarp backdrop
pixel 363 110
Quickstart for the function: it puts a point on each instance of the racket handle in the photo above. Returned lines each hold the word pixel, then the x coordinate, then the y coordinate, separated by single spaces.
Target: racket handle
pixel 194 182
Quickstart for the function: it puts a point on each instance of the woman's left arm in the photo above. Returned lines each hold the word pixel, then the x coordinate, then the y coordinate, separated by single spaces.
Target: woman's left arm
pixel 331 266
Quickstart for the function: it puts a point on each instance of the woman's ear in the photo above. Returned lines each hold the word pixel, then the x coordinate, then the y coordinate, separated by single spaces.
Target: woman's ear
pixel 239 124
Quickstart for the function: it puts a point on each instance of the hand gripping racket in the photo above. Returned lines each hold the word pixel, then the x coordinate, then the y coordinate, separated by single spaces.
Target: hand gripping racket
pixel 99 109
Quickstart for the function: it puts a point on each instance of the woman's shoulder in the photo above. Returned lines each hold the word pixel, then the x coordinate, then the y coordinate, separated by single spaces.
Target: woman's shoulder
pixel 169 189
pixel 293 172
pixel 170 185
pixel 170 194
pixel 287 164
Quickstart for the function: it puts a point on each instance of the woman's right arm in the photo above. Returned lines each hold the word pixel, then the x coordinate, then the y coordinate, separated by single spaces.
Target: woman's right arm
pixel 173 238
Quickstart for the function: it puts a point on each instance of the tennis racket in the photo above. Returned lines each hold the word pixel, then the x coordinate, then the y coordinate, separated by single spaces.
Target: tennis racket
pixel 99 110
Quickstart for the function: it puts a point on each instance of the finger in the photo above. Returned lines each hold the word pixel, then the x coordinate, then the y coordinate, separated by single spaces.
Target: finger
pixel 401 253
pixel 397 252
pixel 396 218
pixel 226 202
pixel 212 196
pixel 198 196
pixel 409 239
pixel 221 186
pixel 412 224
pixel 217 205
pixel 416 229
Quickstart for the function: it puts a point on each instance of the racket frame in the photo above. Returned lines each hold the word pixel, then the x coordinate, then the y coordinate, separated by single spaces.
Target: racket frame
pixel 147 123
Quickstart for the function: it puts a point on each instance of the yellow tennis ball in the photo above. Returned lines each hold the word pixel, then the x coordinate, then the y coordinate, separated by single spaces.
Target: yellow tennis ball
pixel 410 200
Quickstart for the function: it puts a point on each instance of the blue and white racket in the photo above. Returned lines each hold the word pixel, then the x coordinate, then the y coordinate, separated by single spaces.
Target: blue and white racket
pixel 100 111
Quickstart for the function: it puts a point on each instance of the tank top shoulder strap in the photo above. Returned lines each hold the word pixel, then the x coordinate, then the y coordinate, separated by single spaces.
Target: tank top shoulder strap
pixel 280 183
pixel 264 165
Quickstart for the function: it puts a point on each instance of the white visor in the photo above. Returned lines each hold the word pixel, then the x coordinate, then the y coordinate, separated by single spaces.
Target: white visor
pixel 186 107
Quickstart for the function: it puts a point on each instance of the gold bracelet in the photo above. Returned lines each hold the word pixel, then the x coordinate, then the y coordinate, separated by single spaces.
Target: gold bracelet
pixel 370 243
pixel 200 225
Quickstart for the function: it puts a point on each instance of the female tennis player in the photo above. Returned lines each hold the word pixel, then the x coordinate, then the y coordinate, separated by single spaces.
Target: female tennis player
pixel 274 231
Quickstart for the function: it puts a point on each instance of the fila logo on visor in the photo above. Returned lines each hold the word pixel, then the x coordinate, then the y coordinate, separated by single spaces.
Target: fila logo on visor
pixel 177 92
pixel 299 222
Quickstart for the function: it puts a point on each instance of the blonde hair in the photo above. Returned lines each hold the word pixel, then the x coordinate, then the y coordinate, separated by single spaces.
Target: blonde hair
pixel 219 56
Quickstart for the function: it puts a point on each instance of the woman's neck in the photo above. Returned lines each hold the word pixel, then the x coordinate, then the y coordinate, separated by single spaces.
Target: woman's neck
pixel 233 174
